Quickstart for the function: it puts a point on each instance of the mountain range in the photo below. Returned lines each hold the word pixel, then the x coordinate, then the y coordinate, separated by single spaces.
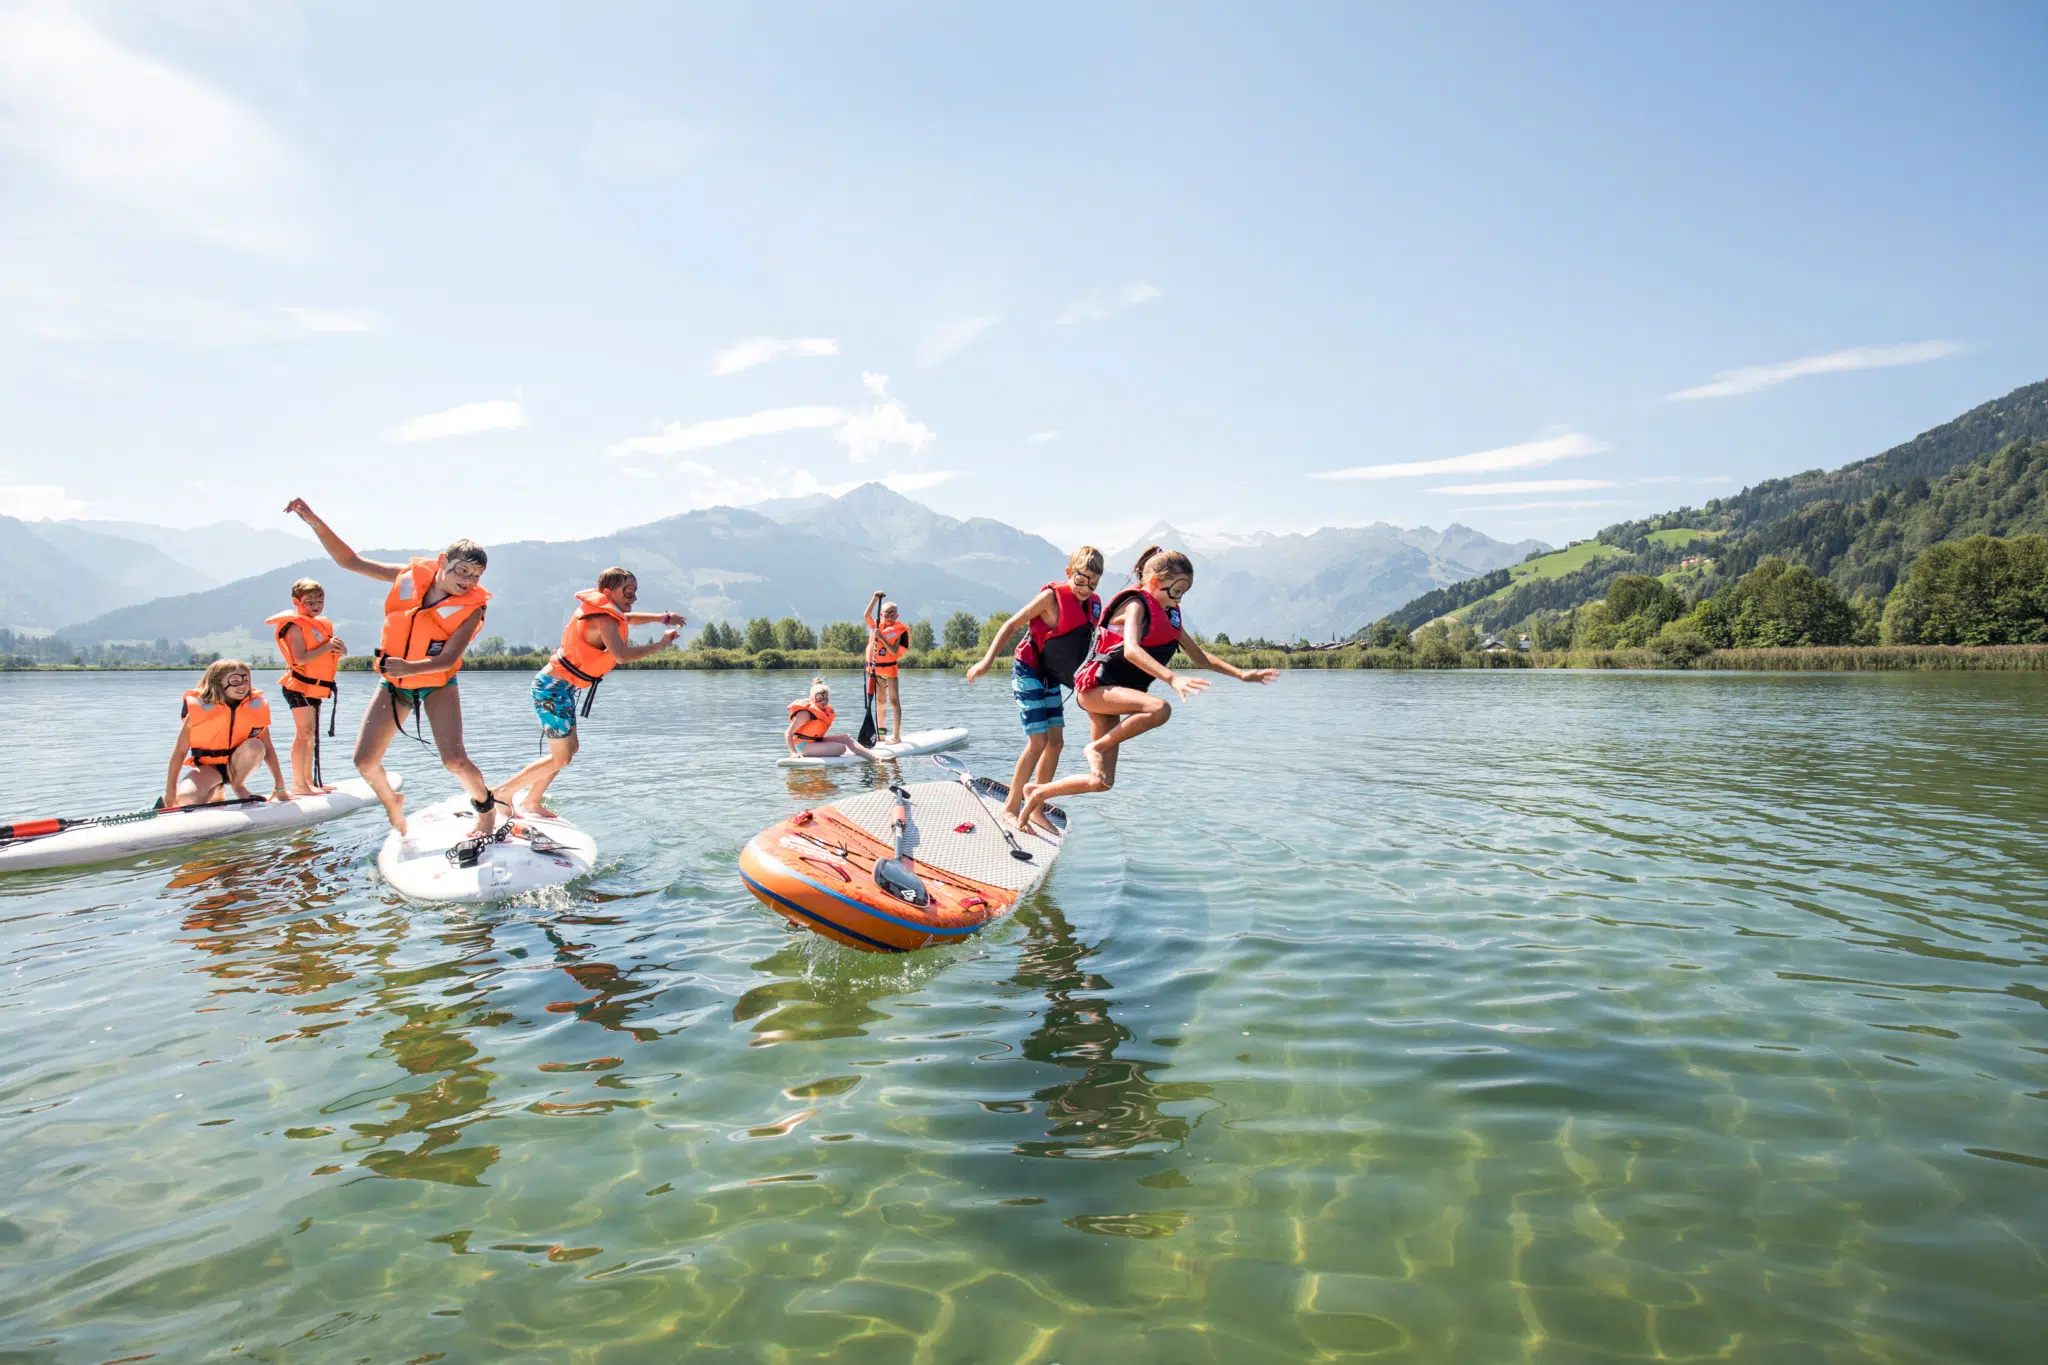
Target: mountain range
pixel 814 558
pixel 56 572
pixel 1859 526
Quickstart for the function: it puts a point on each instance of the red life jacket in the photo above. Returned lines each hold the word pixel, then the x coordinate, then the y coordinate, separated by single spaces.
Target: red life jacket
pixel 214 730
pixel 1106 664
pixel 315 678
pixel 1055 652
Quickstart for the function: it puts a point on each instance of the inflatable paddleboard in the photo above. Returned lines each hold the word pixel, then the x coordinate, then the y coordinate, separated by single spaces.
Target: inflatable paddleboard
pixel 912 744
pixel 534 851
pixel 127 836
pixel 817 868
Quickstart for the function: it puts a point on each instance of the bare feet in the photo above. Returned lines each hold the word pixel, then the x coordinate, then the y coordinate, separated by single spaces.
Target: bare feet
pixel 394 811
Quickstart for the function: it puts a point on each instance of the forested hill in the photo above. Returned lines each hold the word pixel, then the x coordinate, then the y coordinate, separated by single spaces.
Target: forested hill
pixel 1859 526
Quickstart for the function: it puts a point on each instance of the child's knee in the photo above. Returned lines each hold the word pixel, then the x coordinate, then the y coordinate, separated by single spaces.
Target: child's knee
pixel 1055 740
pixel 454 758
pixel 1163 713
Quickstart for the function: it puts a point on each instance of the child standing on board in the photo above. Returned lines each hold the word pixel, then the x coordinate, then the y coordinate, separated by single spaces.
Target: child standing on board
pixel 312 652
pixel 810 733
pixel 1141 629
pixel 888 641
pixel 1061 624
pixel 593 644
pixel 226 733
pixel 431 614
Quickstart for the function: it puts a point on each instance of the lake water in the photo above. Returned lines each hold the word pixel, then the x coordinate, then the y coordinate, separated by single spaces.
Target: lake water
pixel 1471 1017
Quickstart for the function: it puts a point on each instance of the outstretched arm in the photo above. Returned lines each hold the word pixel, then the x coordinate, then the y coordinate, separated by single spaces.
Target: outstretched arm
pixel 614 639
pixel 1142 660
pixel 1202 658
pixel 1038 607
pixel 337 548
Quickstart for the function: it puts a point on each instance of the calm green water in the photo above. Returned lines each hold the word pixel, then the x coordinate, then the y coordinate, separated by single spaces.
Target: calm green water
pixel 1479 1017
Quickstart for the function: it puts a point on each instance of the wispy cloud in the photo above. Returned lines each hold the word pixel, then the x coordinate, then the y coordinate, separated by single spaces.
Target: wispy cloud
pixel 1039 438
pixel 913 483
pixel 948 338
pixel 1528 486
pixel 501 414
pixel 1524 506
pixel 1528 455
pixel 330 319
pixel 38 502
pixel 885 424
pixel 133 132
pixel 752 351
pixel 1750 378
pixel 1099 304
pixel 678 439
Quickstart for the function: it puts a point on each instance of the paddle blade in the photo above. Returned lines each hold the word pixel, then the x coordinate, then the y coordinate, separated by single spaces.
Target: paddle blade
pixel 898 880
pixel 867 717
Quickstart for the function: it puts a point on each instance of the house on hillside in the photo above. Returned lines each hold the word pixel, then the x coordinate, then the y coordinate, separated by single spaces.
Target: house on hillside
pixel 1522 642
pixel 1493 644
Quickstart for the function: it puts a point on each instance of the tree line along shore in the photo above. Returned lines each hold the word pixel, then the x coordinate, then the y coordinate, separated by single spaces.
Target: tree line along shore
pixel 791 645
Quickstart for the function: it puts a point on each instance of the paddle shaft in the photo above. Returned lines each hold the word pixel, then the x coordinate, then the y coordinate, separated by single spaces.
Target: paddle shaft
pixel 966 779
pixel 36 829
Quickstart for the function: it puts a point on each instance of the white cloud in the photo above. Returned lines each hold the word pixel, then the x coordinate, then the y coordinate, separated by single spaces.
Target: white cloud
pixel 38 502
pixel 751 351
pixel 141 135
pixel 624 144
pixel 1100 304
pixel 1039 438
pixel 1528 455
pixel 1523 506
pixel 677 439
pixel 330 319
pixel 635 472
pixel 876 384
pixel 952 336
pixel 1527 486
pixel 886 424
pixel 1750 378
pixel 501 414
pixel 912 483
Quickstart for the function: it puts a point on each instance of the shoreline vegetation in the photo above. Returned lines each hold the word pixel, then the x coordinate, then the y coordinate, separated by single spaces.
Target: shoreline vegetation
pixel 1790 659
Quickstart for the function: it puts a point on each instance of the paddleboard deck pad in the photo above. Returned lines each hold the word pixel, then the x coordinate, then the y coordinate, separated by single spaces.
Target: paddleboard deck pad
pixel 532 852
pixel 817 868
pixel 153 832
pixel 915 743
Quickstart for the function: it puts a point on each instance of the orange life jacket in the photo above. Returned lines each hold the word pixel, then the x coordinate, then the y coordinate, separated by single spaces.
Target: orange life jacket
pixel 414 631
pixel 889 642
pixel 315 676
pixel 579 662
pixel 215 730
pixel 820 723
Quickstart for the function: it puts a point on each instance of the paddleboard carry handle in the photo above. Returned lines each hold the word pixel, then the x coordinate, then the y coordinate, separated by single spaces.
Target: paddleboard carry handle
pixel 890 873
pixel 959 770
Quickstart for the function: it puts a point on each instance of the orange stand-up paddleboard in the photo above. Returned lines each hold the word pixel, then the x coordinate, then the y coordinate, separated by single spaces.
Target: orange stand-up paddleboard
pixel 818 867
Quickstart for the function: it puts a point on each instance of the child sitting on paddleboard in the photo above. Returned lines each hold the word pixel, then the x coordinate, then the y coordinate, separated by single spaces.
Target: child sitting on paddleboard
pixel 226 733
pixel 1140 630
pixel 431 613
pixel 312 652
pixel 593 644
pixel 810 733
pixel 1061 624
pixel 888 641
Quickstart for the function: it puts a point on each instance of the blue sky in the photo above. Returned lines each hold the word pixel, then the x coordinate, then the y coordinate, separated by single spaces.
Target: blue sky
pixel 517 271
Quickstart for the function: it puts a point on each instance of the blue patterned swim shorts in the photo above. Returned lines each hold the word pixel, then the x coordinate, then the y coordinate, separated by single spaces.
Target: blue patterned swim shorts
pixel 1038 701
pixel 554 701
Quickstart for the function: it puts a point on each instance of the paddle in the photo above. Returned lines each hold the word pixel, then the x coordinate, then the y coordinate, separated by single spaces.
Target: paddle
pixel 868 728
pixel 36 829
pixel 959 770
pixel 890 873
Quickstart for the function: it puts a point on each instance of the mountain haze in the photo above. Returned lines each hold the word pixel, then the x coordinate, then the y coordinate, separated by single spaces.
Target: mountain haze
pixel 885 524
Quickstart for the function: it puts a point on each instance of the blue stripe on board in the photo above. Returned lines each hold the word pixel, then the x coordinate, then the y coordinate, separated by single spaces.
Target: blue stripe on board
pixel 763 891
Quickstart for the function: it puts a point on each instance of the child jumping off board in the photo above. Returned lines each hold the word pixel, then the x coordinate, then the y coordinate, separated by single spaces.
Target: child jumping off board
pixel 1140 631
pixel 888 641
pixel 593 644
pixel 810 733
pixel 430 615
pixel 312 652
pixel 226 733
pixel 1061 622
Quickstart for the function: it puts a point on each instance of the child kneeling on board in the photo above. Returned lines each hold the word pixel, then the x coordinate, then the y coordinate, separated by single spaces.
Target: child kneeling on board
pixel 810 733
pixel 226 733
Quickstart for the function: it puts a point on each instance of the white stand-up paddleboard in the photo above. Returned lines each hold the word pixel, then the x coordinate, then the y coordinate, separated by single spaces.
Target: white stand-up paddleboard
pixel 535 851
pixel 149 832
pixel 915 743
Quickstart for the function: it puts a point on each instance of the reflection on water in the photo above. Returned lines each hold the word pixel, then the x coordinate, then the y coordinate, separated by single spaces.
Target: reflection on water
pixel 1555 1019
